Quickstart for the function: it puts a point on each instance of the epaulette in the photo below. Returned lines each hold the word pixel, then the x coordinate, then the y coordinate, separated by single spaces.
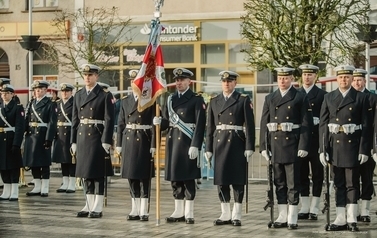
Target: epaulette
pixel 243 95
pixel 212 97
pixel 58 100
pixel 79 90
pixel 105 89
pixel 198 94
pixel 125 97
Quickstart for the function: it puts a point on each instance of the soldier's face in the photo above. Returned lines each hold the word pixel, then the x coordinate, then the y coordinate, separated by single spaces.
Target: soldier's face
pixel 228 86
pixel 40 92
pixel 308 79
pixel 182 84
pixel 284 82
pixel 344 81
pixel 90 80
pixel 7 96
pixel 358 83
pixel 65 94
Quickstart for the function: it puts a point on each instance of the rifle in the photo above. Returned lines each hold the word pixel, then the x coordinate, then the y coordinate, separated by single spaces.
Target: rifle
pixel 326 194
pixel 270 188
pixel 105 185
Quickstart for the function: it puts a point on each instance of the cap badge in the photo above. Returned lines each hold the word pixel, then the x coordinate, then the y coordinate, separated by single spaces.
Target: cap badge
pixel 226 75
pixel 87 68
pixel 179 71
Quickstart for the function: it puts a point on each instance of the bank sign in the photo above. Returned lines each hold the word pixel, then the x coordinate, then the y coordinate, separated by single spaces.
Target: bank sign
pixel 175 33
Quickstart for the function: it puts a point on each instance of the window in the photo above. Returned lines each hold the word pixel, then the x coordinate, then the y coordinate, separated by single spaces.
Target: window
pixel 212 53
pixel 45 3
pixel 4 4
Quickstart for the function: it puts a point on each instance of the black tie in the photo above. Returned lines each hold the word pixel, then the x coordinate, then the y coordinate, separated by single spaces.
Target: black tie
pixel 226 98
pixel 180 95
pixel 88 92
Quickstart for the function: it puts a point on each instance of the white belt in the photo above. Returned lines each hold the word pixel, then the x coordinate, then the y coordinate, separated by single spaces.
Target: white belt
pixel 60 123
pixel 228 127
pixel 191 125
pixel 91 121
pixel 346 128
pixel 5 129
pixel 138 127
pixel 284 126
pixel 37 124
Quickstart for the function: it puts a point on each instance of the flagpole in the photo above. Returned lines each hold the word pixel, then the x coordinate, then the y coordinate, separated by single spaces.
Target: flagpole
pixel 157 15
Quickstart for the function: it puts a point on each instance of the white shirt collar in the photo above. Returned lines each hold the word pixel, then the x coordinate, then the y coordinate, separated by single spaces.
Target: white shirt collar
pixel 345 92
pixel 307 89
pixel 283 93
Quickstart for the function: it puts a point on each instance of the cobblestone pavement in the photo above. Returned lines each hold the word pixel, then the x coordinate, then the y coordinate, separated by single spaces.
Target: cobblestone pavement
pixel 54 216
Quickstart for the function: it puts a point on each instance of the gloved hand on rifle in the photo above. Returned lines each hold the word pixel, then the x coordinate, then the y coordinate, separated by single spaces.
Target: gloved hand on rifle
pixel 208 156
pixel 302 153
pixel 106 147
pixel 324 158
pixel 152 151
pixel 157 120
pixel 118 150
pixel 73 148
pixel 248 154
pixel 265 155
pixel 363 158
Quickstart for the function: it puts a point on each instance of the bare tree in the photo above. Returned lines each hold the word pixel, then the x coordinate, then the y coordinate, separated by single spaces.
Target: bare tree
pixel 89 35
pixel 293 32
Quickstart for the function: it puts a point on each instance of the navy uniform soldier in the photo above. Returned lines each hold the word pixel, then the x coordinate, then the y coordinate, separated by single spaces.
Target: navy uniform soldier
pixel 366 169
pixel 62 142
pixel 41 119
pixel 91 138
pixel 345 124
pixel 288 119
pixel 231 139
pixel 12 128
pixel 309 210
pixel 184 117
pixel 2 82
pixel 136 142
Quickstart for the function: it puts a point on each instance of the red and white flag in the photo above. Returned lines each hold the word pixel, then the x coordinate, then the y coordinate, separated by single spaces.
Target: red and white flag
pixel 150 81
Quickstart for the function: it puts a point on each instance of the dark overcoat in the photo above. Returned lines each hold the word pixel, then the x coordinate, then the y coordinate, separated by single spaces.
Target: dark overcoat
pixel 294 108
pixel 62 142
pixel 354 108
pixel 228 146
pixel 35 154
pixel 14 115
pixel 137 161
pixel 91 159
pixel 315 97
pixel 190 108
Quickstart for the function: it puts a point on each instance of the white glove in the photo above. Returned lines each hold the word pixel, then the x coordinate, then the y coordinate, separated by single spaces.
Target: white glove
pixel 248 154
pixel 363 158
pixel 375 157
pixel 74 148
pixel 315 120
pixel 157 120
pixel 302 153
pixel 208 156
pixel 152 151
pixel 106 147
pixel 118 150
pixel 265 155
pixel 324 159
pixel 193 152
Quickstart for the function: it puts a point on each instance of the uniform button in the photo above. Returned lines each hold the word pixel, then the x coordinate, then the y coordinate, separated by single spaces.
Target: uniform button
pixel 349 119
pixel 169 136
pixel 179 138
pixel 57 133
pixel 275 138
pixel 287 117
pixel 276 117
pixel 349 141
pixel 312 104
pixel 350 108
pixel 218 140
pixel 228 140
pixel 129 130
pixel 181 113
pixel 219 123
pixel 81 108
pixel 276 107
pixel 230 123
pixel 289 107
pixel 286 138
pixel 219 131
pixel 65 134
pixel 37 132
pixel 337 119
pixel 137 139
pixel 91 109
pixel 80 133
pixel 230 113
pixel 129 115
pixel 5 139
pixel 139 116
pixel 337 141
pixel 219 114
pixel 230 131
pixel 88 134
pixel 82 117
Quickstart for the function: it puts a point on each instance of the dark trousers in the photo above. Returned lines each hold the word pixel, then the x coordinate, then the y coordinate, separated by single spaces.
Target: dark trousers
pixel 366 175
pixel 224 192
pixel 184 189
pixel 10 175
pixel 347 185
pixel 138 185
pixel 68 169
pixel 95 186
pixel 41 172
pixel 317 175
pixel 287 182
